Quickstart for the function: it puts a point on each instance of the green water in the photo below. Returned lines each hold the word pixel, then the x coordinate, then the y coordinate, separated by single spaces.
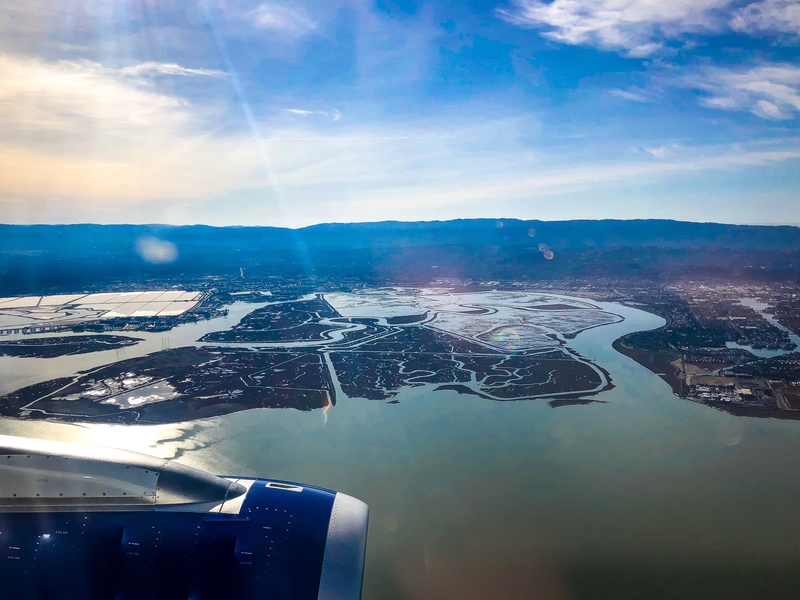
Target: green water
pixel 648 496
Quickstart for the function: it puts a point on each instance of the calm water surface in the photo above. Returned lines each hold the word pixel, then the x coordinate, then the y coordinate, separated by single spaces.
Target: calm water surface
pixel 647 496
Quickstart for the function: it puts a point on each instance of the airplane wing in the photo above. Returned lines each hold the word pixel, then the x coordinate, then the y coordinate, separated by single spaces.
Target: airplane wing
pixel 92 523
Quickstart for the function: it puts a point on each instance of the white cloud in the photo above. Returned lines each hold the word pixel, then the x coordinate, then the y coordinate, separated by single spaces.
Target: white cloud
pixel 767 110
pixel 277 17
pixel 645 50
pixel 768 15
pixel 333 115
pixel 634 96
pixel 639 28
pixel 769 91
pixel 632 25
pixel 66 95
pixel 156 68
pixel 301 112
pixel 657 152
pixel 77 130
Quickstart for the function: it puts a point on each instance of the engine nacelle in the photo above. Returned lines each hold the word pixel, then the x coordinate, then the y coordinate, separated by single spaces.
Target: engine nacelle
pixel 91 523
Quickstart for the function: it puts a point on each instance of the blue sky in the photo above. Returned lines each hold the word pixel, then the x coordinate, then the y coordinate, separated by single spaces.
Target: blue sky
pixel 292 113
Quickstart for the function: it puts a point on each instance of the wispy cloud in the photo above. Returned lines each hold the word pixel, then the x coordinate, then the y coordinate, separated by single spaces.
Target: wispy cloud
pixel 635 26
pixel 641 28
pixel 333 115
pixel 156 68
pixel 634 95
pixel 64 96
pixel 781 16
pixel 657 152
pixel 92 135
pixel 660 152
pixel 301 112
pixel 473 197
pixel 282 18
pixel 769 91
pixel 645 50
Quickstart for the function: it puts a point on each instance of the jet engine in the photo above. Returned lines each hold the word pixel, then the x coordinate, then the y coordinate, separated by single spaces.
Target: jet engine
pixel 91 523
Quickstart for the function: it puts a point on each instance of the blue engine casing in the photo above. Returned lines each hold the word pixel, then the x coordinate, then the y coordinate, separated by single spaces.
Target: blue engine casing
pixel 196 537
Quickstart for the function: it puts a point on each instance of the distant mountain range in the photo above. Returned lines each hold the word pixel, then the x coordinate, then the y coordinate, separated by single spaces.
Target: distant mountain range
pixel 39 258
pixel 77 239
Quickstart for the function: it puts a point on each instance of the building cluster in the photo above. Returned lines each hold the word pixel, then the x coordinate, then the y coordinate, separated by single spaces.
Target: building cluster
pixel 749 393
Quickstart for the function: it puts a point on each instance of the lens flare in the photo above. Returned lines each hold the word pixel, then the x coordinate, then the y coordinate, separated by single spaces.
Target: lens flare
pixel 546 252
pixel 156 251
pixel 325 410
pixel 731 432
pixel 505 337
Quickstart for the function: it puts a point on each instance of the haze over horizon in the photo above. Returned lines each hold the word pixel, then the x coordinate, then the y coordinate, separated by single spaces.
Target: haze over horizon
pixel 297 113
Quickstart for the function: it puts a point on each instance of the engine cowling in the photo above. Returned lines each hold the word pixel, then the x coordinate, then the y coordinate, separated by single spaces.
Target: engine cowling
pixel 83 522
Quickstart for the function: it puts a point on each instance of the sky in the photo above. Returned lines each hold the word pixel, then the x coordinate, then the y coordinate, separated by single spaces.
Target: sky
pixel 294 113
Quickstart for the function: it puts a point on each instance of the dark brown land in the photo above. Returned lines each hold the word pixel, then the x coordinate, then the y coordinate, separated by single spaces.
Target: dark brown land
pixel 53 347
pixel 374 362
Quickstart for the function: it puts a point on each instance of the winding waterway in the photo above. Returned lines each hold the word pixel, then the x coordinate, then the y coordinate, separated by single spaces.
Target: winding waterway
pixel 646 495
pixel 760 308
